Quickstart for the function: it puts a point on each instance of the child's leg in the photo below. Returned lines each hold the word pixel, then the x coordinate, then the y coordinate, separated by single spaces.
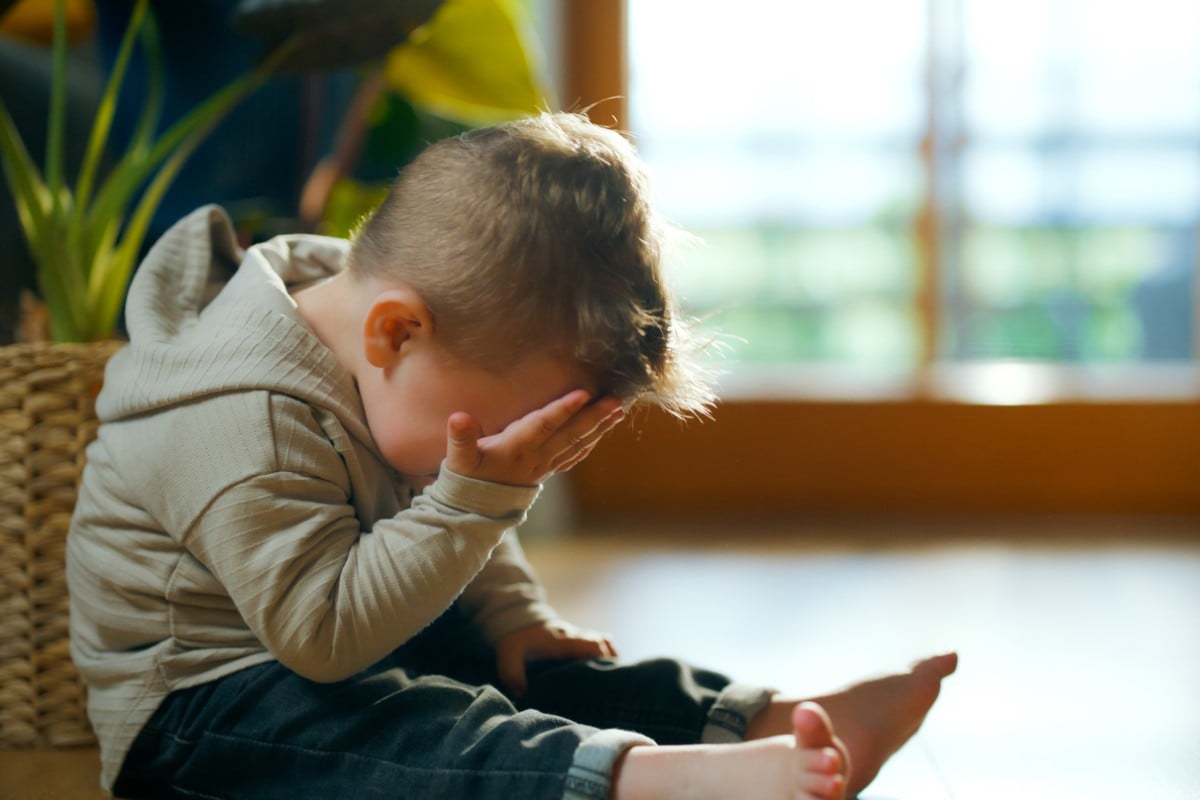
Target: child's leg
pixel 801 765
pixel 871 719
pixel 667 700
pixel 265 732
pixel 670 701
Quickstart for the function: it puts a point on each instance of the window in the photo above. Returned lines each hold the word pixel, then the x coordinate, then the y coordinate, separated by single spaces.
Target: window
pixel 902 185
pixel 958 237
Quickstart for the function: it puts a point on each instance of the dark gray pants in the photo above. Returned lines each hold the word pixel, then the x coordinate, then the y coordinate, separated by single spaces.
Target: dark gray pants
pixel 426 722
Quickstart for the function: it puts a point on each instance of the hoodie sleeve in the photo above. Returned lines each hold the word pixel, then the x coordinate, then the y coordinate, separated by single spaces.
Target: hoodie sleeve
pixel 506 595
pixel 267 510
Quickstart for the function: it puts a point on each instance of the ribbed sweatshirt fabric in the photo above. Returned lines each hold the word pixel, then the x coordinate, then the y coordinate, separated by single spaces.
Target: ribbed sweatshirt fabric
pixel 234 508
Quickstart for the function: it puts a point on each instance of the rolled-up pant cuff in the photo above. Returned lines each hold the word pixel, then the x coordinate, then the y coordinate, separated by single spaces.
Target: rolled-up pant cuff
pixel 730 715
pixel 591 773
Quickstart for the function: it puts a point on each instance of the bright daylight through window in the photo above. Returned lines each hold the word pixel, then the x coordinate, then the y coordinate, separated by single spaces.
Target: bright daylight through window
pixel 897 185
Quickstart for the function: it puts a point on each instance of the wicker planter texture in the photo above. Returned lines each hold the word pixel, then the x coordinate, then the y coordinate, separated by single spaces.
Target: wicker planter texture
pixel 47 419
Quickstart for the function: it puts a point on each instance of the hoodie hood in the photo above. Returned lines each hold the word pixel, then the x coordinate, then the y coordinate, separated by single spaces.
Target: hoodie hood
pixel 206 317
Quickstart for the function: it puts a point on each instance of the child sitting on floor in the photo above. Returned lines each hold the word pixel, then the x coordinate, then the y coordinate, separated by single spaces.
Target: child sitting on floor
pixel 293 566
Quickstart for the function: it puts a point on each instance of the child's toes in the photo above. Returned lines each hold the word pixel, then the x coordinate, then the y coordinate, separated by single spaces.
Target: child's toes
pixel 823 761
pixel 812 726
pixel 824 787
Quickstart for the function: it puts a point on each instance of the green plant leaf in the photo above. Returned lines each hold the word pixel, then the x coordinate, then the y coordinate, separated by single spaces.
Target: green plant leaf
pixel 59 276
pixel 138 164
pixel 470 63
pixel 91 235
pixel 58 102
pixel 105 112
pixel 147 123
pixel 111 274
pixel 350 202
pixel 109 278
pixel 30 194
pixel 63 290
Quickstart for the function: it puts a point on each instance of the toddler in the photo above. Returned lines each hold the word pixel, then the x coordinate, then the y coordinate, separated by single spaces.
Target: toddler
pixel 293 564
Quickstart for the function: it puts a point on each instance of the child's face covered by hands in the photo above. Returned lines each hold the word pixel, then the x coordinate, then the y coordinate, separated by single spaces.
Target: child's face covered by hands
pixel 516 427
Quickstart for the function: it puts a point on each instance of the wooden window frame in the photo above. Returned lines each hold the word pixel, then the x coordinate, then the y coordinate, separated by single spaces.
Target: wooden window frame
pixel 920 451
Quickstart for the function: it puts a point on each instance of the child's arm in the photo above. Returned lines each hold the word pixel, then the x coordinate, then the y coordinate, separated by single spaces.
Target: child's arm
pixel 506 600
pixel 506 595
pixel 257 491
pixel 328 598
pixel 255 487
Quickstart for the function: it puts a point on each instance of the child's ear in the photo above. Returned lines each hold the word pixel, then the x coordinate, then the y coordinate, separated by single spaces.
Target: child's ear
pixel 397 316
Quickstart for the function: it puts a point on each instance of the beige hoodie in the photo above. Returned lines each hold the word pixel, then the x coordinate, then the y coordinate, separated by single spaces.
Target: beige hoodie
pixel 234 508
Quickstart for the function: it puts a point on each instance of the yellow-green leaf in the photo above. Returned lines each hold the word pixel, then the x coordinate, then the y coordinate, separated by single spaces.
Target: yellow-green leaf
pixel 470 63
pixel 350 201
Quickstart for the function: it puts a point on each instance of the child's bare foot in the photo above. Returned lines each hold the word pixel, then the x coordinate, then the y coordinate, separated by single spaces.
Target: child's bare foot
pixel 873 719
pixel 827 768
pixel 804 765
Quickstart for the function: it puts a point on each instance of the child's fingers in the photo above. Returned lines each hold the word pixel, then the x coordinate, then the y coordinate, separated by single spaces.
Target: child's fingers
pixel 585 648
pixel 567 466
pixel 565 462
pixel 510 667
pixel 575 450
pixel 566 649
pixel 567 421
pixel 605 425
pixel 534 447
pixel 462 443
pixel 610 650
pixel 539 426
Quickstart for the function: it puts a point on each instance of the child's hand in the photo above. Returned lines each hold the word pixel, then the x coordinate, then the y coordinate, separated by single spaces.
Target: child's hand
pixel 552 439
pixel 548 640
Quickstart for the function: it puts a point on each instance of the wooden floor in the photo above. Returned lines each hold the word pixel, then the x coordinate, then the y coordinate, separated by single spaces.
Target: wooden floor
pixel 1079 641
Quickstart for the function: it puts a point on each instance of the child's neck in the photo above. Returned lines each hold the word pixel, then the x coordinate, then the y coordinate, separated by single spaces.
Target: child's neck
pixel 333 310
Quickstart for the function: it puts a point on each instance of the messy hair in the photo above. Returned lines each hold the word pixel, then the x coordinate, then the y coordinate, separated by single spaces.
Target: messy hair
pixel 540 233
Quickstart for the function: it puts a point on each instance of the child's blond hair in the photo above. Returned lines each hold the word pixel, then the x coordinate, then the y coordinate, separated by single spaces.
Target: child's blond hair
pixel 540 233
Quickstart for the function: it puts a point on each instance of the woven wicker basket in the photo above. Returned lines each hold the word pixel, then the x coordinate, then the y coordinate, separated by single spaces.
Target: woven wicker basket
pixel 47 392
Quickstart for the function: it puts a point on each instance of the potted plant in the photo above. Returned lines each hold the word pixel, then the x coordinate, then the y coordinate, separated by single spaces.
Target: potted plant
pixel 85 237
